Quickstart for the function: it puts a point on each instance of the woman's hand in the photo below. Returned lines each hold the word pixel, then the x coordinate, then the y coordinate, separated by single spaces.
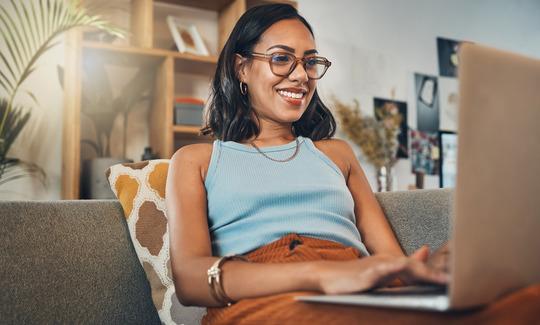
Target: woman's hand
pixel 437 261
pixel 377 271
pixel 440 259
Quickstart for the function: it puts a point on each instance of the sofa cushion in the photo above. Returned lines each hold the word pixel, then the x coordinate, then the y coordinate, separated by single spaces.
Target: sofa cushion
pixel 419 217
pixel 140 188
pixel 70 262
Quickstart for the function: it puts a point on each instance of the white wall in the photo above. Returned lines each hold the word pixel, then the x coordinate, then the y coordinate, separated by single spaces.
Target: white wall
pixel 374 46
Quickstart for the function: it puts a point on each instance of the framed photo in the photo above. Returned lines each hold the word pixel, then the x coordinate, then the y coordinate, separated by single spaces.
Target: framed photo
pixel 401 108
pixel 427 102
pixel 448 56
pixel 424 152
pixel 448 156
pixel 186 37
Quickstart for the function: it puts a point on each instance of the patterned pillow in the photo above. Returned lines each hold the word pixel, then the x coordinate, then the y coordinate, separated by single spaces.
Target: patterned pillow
pixel 140 188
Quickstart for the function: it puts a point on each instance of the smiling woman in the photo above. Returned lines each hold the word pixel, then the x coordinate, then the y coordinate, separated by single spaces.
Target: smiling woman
pixel 275 208
pixel 233 114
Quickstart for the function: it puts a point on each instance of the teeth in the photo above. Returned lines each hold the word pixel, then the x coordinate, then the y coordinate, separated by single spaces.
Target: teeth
pixel 291 95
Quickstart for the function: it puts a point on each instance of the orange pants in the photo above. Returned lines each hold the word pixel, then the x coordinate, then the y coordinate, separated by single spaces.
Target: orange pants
pixel 522 307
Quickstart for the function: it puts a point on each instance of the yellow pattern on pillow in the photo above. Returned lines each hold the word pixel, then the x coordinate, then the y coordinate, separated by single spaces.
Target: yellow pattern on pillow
pixel 127 187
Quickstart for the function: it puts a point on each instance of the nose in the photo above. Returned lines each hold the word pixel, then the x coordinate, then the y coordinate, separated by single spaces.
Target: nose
pixel 299 73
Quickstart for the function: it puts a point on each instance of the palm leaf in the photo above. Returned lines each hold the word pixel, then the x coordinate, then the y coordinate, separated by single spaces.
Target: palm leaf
pixel 34 34
pixel 16 119
pixel 28 31
pixel 13 169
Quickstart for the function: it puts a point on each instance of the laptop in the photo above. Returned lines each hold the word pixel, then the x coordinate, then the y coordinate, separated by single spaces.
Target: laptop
pixel 496 221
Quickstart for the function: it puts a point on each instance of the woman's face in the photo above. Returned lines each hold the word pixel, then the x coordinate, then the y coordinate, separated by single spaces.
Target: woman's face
pixel 276 99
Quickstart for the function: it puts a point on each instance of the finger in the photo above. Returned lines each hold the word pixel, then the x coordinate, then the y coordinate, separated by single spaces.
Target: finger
pixel 422 254
pixel 423 273
pixel 440 261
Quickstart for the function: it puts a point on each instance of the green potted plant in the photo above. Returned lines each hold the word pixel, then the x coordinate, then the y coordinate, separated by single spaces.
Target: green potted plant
pixel 28 29
pixel 376 137
pixel 103 106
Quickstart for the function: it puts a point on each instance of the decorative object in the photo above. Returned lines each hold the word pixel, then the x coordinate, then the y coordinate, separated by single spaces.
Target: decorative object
pixel 215 284
pixel 377 138
pixel 427 102
pixel 448 155
pixel 147 155
pixel 28 39
pixel 390 106
pixel 449 100
pixel 188 111
pixel 103 107
pixel 93 184
pixel 448 57
pixel 186 37
pixel 274 159
pixel 140 188
pixel 424 152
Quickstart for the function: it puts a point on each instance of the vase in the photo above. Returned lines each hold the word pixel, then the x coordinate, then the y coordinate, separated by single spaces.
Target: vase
pixel 386 178
pixel 94 184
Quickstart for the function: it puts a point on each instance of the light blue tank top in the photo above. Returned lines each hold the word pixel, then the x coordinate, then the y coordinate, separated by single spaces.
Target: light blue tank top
pixel 253 201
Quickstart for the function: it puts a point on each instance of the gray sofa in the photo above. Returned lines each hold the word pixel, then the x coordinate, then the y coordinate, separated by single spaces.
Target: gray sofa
pixel 72 262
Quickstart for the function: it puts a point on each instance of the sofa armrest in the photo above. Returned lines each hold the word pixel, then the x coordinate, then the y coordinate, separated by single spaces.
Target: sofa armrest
pixel 419 217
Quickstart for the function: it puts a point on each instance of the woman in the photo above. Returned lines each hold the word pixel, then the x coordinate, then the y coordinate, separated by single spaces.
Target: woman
pixel 276 188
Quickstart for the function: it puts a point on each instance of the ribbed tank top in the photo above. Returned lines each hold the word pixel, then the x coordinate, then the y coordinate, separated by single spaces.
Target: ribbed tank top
pixel 253 201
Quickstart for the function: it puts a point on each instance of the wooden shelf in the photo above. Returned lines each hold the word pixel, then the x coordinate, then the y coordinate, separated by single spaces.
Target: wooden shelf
pixel 187 129
pixel 215 5
pixel 141 52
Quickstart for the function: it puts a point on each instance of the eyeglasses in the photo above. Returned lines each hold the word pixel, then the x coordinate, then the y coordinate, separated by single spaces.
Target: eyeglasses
pixel 282 64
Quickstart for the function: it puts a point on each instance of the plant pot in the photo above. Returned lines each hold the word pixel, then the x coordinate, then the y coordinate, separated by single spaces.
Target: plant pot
pixel 94 185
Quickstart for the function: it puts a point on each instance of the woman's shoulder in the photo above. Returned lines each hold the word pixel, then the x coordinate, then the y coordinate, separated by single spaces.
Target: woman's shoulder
pixel 339 151
pixel 193 154
pixel 333 146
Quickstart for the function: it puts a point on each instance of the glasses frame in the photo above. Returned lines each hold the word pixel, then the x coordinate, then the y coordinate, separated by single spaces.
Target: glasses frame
pixel 269 57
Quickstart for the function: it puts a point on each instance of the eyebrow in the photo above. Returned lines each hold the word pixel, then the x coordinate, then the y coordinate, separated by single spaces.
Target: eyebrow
pixel 290 49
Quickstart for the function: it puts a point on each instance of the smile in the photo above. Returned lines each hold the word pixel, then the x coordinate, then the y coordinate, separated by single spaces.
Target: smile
pixel 290 94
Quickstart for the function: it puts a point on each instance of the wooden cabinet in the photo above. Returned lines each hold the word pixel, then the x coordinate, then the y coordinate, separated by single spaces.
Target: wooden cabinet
pixel 146 47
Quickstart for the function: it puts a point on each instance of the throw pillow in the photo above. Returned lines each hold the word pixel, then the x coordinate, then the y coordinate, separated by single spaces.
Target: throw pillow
pixel 140 188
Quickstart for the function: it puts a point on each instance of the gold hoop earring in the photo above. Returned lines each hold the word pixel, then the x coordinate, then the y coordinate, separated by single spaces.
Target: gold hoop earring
pixel 243 88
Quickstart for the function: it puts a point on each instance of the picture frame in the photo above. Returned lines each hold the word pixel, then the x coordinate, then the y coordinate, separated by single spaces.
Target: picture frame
pixel 403 151
pixel 448 158
pixel 448 50
pixel 186 37
pixel 424 152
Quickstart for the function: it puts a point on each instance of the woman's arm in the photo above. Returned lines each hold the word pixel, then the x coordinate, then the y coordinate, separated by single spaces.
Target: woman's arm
pixel 370 220
pixel 191 254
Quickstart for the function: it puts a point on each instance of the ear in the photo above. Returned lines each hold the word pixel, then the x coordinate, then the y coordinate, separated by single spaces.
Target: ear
pixel 239 66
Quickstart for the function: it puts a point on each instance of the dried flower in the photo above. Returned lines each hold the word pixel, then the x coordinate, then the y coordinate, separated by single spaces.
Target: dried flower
pixel 376 137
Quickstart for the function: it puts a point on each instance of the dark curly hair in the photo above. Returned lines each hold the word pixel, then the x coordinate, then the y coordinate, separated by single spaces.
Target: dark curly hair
pixel 230 116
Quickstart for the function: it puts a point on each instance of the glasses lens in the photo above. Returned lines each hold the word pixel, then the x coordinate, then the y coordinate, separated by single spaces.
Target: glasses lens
pixel 315 68
pixel 281 63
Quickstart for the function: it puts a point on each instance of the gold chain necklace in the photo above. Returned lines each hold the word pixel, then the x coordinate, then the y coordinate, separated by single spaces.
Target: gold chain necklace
pixel 274 159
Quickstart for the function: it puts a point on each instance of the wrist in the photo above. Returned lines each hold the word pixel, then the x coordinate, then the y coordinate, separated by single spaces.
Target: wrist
pixel 314 274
